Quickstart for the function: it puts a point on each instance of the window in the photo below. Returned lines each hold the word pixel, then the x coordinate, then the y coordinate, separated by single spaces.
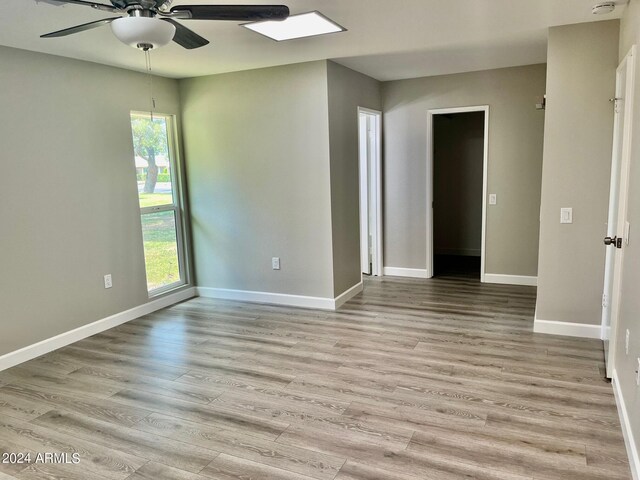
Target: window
pixel 160 201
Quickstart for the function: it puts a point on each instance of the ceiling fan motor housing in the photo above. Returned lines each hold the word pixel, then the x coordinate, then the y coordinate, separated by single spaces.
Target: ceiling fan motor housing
pixel 125 4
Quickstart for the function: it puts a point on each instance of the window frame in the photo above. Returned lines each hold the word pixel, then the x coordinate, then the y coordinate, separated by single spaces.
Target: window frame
pixel 177 205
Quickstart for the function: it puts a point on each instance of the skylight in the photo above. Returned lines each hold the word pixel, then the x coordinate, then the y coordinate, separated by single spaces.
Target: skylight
pixel 296 26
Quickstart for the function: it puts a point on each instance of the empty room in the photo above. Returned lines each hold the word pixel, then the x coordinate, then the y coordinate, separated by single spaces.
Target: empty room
pixel 330 240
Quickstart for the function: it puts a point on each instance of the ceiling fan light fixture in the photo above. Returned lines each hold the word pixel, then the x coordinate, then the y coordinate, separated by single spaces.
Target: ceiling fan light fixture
pixel 602 8
pixel 302 25
pixel 143 32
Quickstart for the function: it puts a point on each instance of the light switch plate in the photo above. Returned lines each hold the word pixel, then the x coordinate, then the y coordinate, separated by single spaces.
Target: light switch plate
pixel 566 215
pixel 627 232
pixel 626 342
pixel 493 199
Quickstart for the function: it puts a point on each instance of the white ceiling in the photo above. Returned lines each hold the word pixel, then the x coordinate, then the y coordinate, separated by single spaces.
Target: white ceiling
pixel 387 39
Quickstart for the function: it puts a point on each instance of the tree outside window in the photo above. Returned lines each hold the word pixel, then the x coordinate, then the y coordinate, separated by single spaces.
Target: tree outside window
pixel 150 142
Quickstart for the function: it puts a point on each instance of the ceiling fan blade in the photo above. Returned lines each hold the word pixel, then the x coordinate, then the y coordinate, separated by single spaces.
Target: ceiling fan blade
pixel 186 37
pixel 238 13
pixel 79 28
pixel 98 6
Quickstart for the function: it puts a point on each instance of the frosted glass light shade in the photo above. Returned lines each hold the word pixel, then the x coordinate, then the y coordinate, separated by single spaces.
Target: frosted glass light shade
pixel 603 8
pixel 136 31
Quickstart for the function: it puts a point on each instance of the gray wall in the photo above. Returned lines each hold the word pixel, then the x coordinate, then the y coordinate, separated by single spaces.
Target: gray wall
pixel 257 150
pixel 626 365
pixel 582 60
pixel 348 90
pixel 515 159
pixel 457 187
pixel 69 209
pixel 629 28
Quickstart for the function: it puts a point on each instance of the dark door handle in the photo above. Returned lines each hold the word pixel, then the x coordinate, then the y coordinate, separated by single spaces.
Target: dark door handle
pixel 615 241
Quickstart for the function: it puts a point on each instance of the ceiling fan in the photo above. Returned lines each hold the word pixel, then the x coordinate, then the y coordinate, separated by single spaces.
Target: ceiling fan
pixel 148 24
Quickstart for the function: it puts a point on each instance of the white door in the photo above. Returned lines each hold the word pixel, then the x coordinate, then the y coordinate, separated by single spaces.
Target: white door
pixel 370 132
pixel 617 225
pixel 365 164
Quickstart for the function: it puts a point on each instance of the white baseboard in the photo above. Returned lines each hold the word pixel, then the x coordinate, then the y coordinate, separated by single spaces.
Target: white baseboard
pixel 266 297
pixel 348 295
pixel 510 279
pixel 45 346
pixel 405 272
pixel 629 441
pixel 322 303
pixel 553 327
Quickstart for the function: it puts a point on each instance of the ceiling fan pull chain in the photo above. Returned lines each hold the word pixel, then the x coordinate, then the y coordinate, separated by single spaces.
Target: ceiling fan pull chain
pixel 147 56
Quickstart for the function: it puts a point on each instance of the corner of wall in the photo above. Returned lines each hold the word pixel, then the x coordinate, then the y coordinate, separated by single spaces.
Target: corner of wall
pixel 578 136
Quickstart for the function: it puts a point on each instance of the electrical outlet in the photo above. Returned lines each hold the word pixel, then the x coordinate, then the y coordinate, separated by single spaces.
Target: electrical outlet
pixel 493 199
pixel 638 374
pixel 275 263
pixel 626 342
pixel 108 282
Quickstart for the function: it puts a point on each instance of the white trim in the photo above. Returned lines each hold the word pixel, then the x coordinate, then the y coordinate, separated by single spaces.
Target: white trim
pixel 348 295
pixel 406 272
pixel 485 194
pixel 567 329
pixel 511 279
pixel 321 303
pixel 379 207
pixel 363 174
pixel 485 169
pixel 369 110
pixel 627 431
pixel 378 248
pixel 45 346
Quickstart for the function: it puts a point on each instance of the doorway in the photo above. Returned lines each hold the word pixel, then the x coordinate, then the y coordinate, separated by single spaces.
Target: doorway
pixel 617 225
pixel 456 168
pixel 370 154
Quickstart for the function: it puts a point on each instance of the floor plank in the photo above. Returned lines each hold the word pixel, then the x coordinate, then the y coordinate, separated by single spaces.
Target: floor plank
pixel 158 471
pixel 180 455
pixel 97 459
pixel 292 458
pixel 227 467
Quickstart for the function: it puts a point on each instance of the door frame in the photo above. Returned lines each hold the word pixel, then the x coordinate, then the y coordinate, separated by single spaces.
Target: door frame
pixel 430 162
pixel 628 63
pixel 377 243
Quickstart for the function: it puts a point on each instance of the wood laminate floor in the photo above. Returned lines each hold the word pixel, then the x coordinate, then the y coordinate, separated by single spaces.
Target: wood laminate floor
pixel 414 379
